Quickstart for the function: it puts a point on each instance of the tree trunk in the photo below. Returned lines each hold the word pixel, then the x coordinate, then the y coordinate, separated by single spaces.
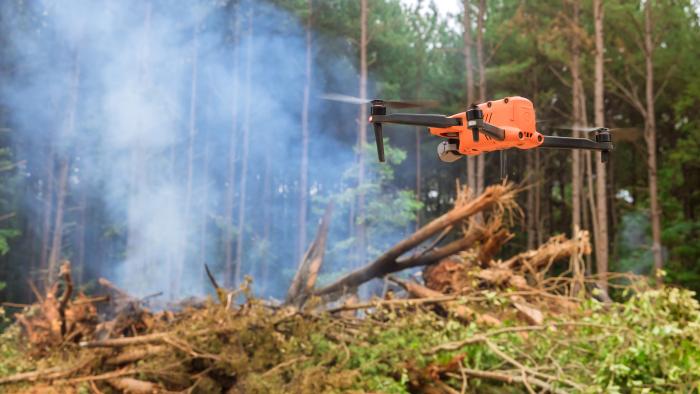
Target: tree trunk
pixel 469 71
pixel 57 239
pixel 530 217
pixel 304 168
pixel 480 161
pixel 361 230
pixel 576 87
pixel 231 165
pixel 189 180
pixel 244 157
pixel 650 136
pixel 601 233
pixel 80 237
pixel 48 208
pixel 62 190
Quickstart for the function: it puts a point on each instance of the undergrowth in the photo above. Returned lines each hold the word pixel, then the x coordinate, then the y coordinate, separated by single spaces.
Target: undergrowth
pixel 648 344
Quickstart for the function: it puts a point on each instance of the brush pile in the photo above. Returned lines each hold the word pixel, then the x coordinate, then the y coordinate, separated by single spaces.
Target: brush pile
pixel 472 324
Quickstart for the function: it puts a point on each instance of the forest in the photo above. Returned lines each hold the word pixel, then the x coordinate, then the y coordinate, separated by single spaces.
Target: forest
pixel 167 167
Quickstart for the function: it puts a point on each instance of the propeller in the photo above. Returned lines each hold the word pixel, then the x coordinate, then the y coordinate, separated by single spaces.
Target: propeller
pixel 342 98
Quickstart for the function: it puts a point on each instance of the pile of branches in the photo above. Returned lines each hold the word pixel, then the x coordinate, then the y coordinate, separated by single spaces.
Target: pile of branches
pixel 469 322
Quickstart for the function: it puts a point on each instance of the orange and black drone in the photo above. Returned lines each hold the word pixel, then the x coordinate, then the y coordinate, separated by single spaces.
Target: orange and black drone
pixel 491 126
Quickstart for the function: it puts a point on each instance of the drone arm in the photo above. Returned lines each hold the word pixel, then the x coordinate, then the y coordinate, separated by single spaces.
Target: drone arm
pixel 416 120
pixel 552 141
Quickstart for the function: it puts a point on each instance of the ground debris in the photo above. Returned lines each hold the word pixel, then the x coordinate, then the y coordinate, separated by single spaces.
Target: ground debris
pixel 472 325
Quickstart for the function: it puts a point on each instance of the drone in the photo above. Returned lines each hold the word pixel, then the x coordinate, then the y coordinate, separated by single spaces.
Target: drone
pixel 487 127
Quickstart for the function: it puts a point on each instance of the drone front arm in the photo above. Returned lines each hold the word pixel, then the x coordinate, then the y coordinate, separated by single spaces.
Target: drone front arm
pixel 441 121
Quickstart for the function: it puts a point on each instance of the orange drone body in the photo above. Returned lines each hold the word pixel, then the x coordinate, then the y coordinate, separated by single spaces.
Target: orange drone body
pixel 515 115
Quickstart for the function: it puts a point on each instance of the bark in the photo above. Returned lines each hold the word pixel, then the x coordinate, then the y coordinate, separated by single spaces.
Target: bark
pixel 191 136
pixel 361 231
pixel 530 218
pixel 204 214
pixel 64 166
pixel 601 206
pixel 480 161
pixel 231 167
pixel 576 87
pixel 244 156
pixel 304 167
pixel 80 236
pixel 48 208
pixel 650 136
pixel 469 71
pixel 388 262
pixel 57 239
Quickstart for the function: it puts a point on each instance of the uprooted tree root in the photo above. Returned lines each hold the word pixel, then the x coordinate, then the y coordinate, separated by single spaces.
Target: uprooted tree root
pixel 473 325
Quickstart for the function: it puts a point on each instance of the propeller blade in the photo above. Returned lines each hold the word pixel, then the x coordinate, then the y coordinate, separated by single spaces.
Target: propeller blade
pixel 342 98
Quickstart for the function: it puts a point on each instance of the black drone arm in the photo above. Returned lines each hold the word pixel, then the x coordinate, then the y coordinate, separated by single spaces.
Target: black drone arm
pixel 602 143
pixel 417 120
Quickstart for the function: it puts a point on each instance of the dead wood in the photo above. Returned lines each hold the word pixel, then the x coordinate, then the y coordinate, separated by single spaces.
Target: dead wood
pixel 66 276
pixel 134 386
pixel 135 354
pixel 493 244
pixel 309 266
pixel 462 312
pixel 220 292
pixel 450 275
pixel 510 379
pixel 556 248
pixel 387 263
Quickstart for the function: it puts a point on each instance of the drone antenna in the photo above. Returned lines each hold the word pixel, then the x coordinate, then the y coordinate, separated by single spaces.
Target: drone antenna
pixel 378 108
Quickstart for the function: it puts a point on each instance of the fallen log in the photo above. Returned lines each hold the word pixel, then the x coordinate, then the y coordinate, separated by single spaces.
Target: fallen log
pixel 496 195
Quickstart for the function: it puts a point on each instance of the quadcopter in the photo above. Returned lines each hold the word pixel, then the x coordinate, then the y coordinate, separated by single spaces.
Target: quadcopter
pixel 487 127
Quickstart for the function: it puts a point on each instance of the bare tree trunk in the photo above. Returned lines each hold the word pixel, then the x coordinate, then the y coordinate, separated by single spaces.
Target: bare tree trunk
pixel 576 86
pixel 530 217
pixel 204 214
pixel 480 162
pixel 191 136
pixel 304 168
pixel 650 137
pixel 538 199
pixel 419 175
pixel 469 71
pixel 57 239
pixel 361 229
pixel 244 157
pixel 62 190
pixel 231 166
pixel 80 237
pixel 48 208
pixel 601 233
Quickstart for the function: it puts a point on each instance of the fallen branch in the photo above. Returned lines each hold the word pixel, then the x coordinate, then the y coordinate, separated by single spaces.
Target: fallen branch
pixel 510 379
pixel 387 263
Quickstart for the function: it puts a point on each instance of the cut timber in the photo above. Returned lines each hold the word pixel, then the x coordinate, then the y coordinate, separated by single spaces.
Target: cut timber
pixel 496 195
pixel 305 278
